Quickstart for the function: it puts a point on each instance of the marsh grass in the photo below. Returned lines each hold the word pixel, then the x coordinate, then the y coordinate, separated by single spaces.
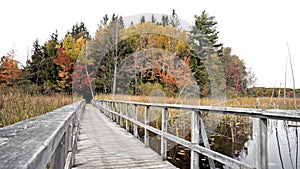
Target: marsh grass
pixel 17 104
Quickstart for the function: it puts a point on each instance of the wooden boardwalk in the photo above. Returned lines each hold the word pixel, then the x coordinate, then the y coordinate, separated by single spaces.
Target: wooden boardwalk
pixel 103 144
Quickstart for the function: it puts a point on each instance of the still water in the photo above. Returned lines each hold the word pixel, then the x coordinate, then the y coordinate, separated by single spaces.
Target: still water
pixel 283 145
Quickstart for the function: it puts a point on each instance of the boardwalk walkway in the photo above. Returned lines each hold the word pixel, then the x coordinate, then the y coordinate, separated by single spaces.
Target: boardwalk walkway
pixel 103 144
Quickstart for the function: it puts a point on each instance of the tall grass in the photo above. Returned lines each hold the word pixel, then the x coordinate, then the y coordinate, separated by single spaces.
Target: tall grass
pixel 17 104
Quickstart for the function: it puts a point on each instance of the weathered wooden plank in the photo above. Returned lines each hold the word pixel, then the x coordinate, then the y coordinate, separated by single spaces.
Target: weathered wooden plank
pixel 103 144
pixel 32 142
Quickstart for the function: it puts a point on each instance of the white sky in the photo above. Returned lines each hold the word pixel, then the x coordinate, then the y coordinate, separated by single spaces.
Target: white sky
pixel 256 30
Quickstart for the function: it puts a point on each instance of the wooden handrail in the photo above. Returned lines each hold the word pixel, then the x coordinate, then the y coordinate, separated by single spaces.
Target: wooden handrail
pixel 107 107
pixel 291 115
pixel 46 140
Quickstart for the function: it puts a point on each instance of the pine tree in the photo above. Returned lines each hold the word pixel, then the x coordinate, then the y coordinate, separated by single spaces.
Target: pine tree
pixel 105 19
pixel 143 20
pixel 34 68
pixel 164 20
pixel 174 19
pixel 204 42
pixel 153 19
pixel 206 28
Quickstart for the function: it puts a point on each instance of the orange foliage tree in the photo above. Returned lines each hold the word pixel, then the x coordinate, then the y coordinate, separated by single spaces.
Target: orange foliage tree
pixel 9 70
pixel 63 60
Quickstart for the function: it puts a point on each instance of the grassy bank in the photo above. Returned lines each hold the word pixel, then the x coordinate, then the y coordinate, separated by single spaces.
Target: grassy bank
pixel 17 105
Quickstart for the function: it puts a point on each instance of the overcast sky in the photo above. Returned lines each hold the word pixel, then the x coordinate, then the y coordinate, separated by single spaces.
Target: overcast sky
pixel 256 30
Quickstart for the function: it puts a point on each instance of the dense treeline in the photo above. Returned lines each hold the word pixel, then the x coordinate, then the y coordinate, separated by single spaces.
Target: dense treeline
pixel 57 64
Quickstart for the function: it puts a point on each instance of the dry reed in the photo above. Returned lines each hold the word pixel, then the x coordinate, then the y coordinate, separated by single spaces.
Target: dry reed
pixel 17 105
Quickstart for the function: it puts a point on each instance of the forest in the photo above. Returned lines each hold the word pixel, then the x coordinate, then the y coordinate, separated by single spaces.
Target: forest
pixel 51 65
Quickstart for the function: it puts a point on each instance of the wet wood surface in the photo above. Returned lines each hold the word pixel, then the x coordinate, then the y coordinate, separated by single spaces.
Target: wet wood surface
pixel 103 144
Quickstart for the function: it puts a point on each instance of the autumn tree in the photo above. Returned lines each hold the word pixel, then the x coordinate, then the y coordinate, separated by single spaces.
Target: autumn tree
pixel 64 62
pixel 9 70
pixel 236 75
pixel 139 41
pixel 67 55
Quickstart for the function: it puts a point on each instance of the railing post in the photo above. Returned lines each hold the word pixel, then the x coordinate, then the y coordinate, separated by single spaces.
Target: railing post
pixel 107 107
pixel 164 129
pixel 135 128
pixel 103 104
pixel 70 143
pixel 75 136
pixel 57 159
pixel 118 112
pixel 121 112
pixel 261 150
pixel 195 139
pixel 127 122
pixel 112 108
pixel 147 120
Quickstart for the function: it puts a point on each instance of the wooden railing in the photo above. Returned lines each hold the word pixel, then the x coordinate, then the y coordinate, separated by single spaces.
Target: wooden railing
pixel 113 109
pixel 46 141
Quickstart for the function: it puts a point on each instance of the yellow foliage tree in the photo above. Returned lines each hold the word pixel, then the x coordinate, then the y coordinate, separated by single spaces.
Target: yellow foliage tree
pixel 72 46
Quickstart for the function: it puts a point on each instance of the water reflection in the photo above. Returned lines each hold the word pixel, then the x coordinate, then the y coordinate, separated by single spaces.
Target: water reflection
pixel 283 145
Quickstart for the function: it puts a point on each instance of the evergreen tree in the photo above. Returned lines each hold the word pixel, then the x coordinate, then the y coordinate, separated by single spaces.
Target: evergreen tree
pixel 153 19
pixel 207 27
pixel 164 20
pixel 121 22
pixel 143 20
pixel 174 19
pixel 204 42
pixel 79 31
pixel 34 68
pixel 105 19
pixel 114 17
